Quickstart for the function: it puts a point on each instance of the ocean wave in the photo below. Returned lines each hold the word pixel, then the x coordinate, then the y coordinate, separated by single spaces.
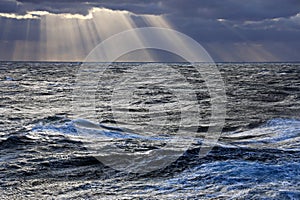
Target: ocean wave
pixel 276 133
pixel 273 131
pixel 85 128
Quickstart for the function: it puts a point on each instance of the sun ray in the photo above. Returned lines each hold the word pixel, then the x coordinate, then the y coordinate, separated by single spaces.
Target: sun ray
pixel 70 37
pixel 157 21
pixel 246 50
pixel 7 27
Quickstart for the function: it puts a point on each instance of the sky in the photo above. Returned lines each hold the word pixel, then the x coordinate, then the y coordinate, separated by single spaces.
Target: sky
pixel 229 30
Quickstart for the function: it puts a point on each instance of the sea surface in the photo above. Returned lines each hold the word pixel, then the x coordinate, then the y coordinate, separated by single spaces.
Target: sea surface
pixel 44 156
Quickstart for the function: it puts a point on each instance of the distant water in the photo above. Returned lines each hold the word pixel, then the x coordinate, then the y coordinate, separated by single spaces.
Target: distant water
pixel 43 156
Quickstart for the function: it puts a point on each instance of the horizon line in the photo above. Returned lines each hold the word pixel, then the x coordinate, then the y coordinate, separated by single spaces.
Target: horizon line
pixel 65 61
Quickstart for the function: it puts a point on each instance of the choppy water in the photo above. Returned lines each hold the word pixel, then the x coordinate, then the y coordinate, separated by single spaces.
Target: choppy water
pixel 43 156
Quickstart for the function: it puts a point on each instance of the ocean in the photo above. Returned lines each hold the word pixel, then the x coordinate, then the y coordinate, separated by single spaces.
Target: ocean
pixel 53 147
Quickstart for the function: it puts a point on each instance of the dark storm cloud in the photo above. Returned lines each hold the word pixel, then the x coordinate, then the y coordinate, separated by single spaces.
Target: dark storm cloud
pixel 82 7
pixel 197 18
pixel 212 9
pixel 207 21
pixel 235 9
pixel 8 6
pixel 279 29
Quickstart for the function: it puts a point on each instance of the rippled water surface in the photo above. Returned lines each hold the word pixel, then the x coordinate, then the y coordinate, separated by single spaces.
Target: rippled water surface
pixel 44 155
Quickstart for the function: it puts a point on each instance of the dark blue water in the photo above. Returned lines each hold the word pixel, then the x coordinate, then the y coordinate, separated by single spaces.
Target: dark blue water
pixel 42 154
